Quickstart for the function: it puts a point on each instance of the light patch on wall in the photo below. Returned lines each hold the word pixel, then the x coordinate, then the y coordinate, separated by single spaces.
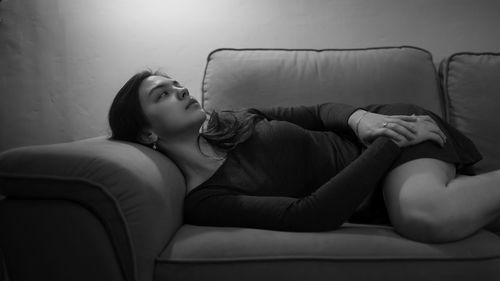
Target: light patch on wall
pixel 151 12
pixel 77 54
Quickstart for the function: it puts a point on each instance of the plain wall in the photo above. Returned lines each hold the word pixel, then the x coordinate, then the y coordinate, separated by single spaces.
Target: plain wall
pixel 62 61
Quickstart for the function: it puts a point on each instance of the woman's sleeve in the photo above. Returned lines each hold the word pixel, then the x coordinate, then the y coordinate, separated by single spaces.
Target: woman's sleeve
pixel 327 116
pixel 327 208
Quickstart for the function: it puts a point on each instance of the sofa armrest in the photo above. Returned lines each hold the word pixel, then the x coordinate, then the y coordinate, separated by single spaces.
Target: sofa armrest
pixel 54 239
pixel 136 192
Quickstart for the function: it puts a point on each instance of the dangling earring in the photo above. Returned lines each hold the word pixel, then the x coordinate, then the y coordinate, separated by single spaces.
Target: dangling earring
pixel 154 146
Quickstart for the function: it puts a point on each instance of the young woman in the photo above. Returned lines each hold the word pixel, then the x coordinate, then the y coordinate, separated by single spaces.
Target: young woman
pixel 312 168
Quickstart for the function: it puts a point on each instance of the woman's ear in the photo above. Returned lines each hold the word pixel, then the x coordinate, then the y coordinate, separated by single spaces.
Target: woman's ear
pixel 147 136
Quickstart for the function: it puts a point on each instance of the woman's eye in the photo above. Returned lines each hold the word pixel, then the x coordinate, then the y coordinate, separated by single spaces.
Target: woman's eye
pixel 161 94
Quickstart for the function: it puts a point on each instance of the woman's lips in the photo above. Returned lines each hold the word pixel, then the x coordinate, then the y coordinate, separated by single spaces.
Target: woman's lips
pixel 191 103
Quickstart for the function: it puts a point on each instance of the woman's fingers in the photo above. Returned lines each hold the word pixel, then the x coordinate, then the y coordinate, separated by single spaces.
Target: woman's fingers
pixel 433 126
pixel 428 118
pixel 390 133
pixel 401 130
pixel 407 125
pixel 435 129
pixel 407 118
pixel 437 138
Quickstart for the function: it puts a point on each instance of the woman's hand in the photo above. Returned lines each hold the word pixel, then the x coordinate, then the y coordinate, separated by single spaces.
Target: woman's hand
pixel 427 129
pixel 405 130
pixel 368 126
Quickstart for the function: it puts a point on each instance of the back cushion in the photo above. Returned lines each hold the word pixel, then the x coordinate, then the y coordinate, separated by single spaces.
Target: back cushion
pixel 471 86
pixel 284 77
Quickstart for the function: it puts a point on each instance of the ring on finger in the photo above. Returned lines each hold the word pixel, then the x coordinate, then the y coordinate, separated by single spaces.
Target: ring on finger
pixel 384 125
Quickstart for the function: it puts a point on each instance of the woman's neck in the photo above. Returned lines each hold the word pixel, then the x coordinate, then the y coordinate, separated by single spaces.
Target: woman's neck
pixel 194 165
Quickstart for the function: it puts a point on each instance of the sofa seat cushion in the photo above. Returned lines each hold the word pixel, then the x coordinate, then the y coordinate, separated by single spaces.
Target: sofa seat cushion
pixel 471 83
pixel 355 251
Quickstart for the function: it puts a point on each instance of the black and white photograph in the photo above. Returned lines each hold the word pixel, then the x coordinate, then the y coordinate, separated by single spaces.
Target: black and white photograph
pixel 263 140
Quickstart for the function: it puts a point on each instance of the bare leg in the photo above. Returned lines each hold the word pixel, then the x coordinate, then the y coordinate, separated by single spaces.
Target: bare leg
pixel 494 225
pixel 483 181
pixel 427 202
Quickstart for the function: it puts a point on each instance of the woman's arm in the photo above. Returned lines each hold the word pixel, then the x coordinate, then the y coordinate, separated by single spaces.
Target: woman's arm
pixel 327 208
pixel 340 117
pixel 327 116
pixel 406 130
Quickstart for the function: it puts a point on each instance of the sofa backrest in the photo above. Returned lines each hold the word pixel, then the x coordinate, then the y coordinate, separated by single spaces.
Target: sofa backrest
pixel 267 77
pixel 471 86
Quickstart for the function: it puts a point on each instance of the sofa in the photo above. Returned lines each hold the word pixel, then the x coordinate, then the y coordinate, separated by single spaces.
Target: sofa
pixel 100 209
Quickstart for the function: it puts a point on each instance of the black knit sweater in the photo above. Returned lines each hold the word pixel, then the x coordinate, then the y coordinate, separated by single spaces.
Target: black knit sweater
pixel 302 170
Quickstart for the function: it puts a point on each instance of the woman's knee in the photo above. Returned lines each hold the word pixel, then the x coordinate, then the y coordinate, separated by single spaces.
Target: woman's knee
pixel 429 226
pixel 432 221
pixel 415 195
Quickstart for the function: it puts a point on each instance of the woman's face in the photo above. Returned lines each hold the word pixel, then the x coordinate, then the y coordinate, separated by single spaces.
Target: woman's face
pixel 165 101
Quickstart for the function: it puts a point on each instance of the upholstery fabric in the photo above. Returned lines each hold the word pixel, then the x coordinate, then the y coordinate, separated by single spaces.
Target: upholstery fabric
pixel 127 199
pixel 262 77
pixel 47 229
pixel 146 187
pixel 471 87
pixel 353 252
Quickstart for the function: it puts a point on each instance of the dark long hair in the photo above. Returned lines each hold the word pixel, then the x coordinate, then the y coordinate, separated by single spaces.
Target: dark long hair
pixel 225 129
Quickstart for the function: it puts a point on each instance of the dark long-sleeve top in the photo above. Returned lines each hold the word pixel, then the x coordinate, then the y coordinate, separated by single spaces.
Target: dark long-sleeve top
pixel 302 170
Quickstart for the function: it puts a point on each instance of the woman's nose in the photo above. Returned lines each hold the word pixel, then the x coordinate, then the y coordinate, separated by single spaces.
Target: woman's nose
pixel 182 93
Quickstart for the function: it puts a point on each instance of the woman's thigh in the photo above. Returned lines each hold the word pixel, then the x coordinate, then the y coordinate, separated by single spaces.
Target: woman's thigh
pixel 416 190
